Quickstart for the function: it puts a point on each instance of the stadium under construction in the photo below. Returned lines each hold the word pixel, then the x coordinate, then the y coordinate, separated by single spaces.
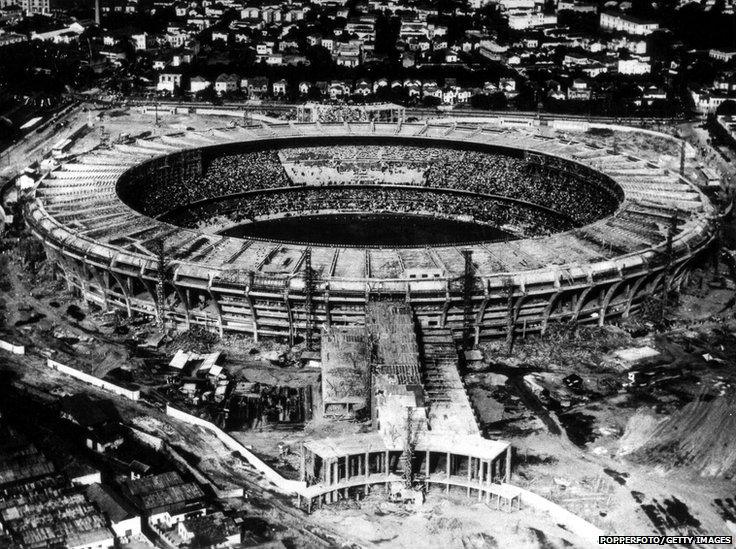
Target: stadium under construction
pixel 585 232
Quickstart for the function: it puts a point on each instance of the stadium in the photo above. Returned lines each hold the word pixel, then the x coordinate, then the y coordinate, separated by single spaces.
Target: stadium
pixel 278 230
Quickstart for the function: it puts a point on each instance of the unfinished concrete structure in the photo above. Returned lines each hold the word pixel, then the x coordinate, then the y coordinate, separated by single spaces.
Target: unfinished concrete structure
pixel 605 269
pixel 345 373
pixel 426 431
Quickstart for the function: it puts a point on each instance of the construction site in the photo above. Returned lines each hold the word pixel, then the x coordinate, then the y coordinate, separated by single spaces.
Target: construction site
pixel 538 391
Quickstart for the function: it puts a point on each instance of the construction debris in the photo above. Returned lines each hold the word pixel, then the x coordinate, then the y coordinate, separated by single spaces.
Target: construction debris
pixel 702 435
pixel 636 354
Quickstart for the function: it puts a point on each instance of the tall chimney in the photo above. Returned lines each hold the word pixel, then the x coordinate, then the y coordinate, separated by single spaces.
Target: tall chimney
pixel 97 12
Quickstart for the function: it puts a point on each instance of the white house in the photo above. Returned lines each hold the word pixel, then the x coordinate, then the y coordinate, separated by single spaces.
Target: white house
pixel 626 23
pixel 168 82
pixel 722 55
pixel 519 20
pixel 198 84
pixel 279 87
pixel 708 101
pixel 219 35
pixel 139 41
pixel 64 35
pixel 633 66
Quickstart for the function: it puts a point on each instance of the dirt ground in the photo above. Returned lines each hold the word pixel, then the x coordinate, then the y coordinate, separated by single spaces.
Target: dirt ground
pixel 451 521
pixel 565 403
pixel 578 464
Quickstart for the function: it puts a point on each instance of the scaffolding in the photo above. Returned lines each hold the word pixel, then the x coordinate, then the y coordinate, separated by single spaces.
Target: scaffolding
pixel 308 304
pixel 468 280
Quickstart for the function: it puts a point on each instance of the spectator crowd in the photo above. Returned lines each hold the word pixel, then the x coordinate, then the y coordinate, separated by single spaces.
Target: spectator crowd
pixel 488 187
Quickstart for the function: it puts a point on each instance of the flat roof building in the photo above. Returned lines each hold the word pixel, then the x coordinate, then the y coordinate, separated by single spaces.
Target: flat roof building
pixel 616 21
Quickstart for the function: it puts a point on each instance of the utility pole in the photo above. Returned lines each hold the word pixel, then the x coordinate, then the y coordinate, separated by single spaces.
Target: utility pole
pixel 467 298
pixel 308 290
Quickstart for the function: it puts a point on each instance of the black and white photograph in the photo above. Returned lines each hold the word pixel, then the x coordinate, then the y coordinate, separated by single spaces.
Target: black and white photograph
pixel 367 274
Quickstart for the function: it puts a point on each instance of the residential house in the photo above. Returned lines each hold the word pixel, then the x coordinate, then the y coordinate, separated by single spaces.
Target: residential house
pixel 617 21
pixel 169 82
pixel 279 88
pixel 579 91
pixel 257 86
pixel 634 66
pixel 198 84
pixel 226 83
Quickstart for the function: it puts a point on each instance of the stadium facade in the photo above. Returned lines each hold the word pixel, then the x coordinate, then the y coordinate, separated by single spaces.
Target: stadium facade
pixel 91 215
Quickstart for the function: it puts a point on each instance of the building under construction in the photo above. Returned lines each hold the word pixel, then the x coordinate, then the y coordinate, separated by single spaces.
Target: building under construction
pixel 425 430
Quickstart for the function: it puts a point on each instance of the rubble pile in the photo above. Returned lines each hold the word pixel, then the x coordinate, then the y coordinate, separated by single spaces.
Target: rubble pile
pixel 700 435
pixel 566 345
pixel 639 430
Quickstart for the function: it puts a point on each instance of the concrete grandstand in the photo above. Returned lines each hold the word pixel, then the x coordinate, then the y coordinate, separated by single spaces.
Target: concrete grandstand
pixel 600 233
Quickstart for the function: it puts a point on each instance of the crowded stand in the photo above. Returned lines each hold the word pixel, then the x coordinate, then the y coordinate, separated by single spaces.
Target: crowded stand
pixel 521 219
pixel 561 186
pixel 225 175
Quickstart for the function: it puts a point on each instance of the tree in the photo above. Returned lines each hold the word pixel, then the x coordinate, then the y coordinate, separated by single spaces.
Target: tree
pixel 727 108
pixel 207 94
pixel 431 101
pixel 489 102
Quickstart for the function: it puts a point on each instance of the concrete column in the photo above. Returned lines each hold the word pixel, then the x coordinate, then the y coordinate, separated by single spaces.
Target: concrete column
pixel 366 465
pixel 447 484
pixel 470 470
pixel 254 318
pixel 481 471
pixel 386 461
pixel 508 464
pixel 427 469
pixel 302 473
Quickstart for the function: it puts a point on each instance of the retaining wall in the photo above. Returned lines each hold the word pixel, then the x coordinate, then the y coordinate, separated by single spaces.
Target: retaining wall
pixel 92 380
pixel 15 349
pixel 575 524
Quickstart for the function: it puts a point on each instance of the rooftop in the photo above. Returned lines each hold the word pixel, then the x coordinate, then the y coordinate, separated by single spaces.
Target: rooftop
pixel 111 504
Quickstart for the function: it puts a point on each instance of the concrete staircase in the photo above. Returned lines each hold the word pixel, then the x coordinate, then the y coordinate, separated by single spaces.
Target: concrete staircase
pixel 449 405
